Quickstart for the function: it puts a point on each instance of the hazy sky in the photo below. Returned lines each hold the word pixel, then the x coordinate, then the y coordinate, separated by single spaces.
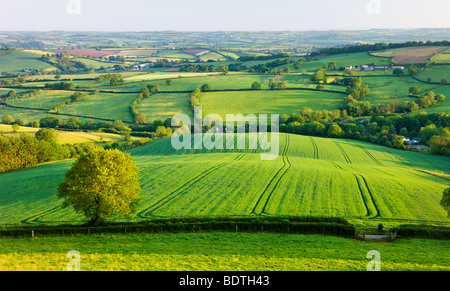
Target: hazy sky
pixel 225 15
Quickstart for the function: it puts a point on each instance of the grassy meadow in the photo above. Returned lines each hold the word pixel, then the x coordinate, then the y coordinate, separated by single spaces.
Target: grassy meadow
pixel 275 102
pixel 435 74
pixel 219 252
pixel 102 105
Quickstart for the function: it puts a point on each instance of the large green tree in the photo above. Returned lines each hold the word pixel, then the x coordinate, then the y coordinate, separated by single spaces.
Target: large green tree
pixel 100 184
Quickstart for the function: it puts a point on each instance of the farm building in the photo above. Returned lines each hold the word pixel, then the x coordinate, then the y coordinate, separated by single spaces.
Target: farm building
pixel 377 68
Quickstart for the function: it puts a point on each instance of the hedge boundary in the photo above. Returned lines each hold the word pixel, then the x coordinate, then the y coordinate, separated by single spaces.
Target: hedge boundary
pixel 423 231
pixel 292 225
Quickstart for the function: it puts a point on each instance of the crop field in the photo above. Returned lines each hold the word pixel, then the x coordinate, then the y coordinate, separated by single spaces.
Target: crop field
pixel 64 137
pixel 312 176
pixel 417 55
pixel 390 53
pixel 219 252
pixel 17 61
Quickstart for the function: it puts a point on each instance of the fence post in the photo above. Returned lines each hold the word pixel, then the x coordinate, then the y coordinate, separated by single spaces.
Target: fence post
pixel 32 233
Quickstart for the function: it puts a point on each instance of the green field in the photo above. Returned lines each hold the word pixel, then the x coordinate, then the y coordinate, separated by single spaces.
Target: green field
pixel 368 184
pixel 312 176
pixel 174 54
pixel 441 107
pixel 194 80
pixel 45 100
pixel 343 60
pixel 435 74
pixel 220 252
pixel 268 101
pixel 163 106
pixel 102 105
pixel 94 64
pixel 16 61
pixel 443 58
pixel 392 89
pixel 212 56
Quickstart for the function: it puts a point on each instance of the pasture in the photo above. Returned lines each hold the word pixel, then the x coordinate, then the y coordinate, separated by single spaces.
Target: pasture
pixel 392 89
pixel 441 107
pixel 435 74
pixel 17 61
pixel 443 58
pixel 102 105
pixel 268 101
pixel 163 106
pixel 342 60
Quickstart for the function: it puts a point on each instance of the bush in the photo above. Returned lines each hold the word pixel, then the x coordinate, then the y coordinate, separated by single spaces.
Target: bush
pixel 423 231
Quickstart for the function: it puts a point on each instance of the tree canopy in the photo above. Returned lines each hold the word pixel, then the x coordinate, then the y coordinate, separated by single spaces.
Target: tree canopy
pixel 100 184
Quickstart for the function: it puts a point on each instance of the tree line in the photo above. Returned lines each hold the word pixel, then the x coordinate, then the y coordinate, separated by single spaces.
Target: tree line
pixel 376 47
pixel 386 129
pixel 27 151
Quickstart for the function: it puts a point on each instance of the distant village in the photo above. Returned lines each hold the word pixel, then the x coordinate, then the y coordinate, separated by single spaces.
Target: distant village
pixel 374 68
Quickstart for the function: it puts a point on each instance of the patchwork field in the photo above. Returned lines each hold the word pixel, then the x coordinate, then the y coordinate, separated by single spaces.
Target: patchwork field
pixel 312 176
pixel 370 185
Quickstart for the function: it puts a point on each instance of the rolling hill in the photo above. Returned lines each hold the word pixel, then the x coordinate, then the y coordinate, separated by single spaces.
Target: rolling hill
pixel 312 176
